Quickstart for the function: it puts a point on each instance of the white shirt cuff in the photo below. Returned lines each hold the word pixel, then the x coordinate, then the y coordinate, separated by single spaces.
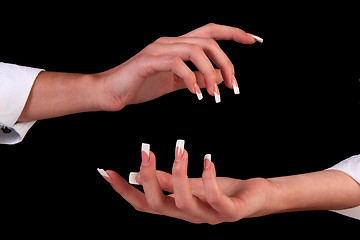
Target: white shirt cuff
pixel 15 87
pixel 350 166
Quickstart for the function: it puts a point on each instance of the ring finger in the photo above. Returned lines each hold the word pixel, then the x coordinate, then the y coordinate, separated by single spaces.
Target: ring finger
pixel 213 51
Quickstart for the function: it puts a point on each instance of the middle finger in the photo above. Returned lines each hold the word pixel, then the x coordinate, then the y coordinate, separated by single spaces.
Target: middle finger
pixel 213 51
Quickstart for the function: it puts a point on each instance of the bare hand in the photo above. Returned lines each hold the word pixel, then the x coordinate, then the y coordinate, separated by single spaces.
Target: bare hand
pixel 209 199
pixel 160 67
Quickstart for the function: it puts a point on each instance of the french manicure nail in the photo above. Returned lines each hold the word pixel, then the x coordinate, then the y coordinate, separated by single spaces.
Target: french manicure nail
pixel 145 153
pixel 104 174
pixel 217 93
pixel 235 86
pixel 179 149
pixel 132 178
pixel 258 39
pixel 198 92
pixel 207 161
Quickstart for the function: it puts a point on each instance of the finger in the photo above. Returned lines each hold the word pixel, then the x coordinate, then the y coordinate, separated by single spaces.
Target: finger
pixel 182 191
pixel 164 178
pixel 189 52
pixel 221 203
pixel 200 79
pixel 184 199
pixel 155 198
pixel 213 51
pixel 133 196
pixel 222 32
pixel 153 192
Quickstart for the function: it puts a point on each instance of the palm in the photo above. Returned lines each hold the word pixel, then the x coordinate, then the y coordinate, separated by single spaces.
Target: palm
pixel 248 195
pixel 154 86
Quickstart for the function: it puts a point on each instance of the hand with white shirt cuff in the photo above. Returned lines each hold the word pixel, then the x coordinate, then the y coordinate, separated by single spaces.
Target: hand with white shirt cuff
pixel 214 200
pixel 156 70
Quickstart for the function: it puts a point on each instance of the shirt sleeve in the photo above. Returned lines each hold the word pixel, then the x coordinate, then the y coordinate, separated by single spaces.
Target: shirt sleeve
pixel 15 85
pixel 350 166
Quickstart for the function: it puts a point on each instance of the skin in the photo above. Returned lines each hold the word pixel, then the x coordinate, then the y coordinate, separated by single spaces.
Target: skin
pixel 214 200
pixel 160 69
pixel 157 70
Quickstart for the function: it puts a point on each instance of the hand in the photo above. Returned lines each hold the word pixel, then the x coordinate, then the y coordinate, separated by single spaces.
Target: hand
pixel 159 68
pixel 156 70
pixel 209 199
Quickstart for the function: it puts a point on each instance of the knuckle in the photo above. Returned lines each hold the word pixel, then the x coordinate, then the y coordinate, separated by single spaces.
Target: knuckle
pixel 183 205
pixel 195 49
pixel 152 48
pixel 213 222
pixel 233 218
pixel 211 75
pixel 178 171
pixel 210 25
pixel 173 61
pixel 211 43
pixel 213 199
pixel 190 76
pixel 155 205
pixel 146 176
pixel 162 39
pixel 139 208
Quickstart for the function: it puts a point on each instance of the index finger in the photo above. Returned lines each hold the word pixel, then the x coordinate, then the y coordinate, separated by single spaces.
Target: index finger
pixel 222 32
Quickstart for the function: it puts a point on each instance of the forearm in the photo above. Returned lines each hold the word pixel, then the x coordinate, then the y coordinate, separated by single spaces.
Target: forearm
pixel 57 94
pixel 324 190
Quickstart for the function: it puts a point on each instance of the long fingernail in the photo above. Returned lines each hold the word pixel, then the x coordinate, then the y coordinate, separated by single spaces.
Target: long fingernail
pixel 217 93
pixel 198 92
pixel 235 86
pixel 132 178
pixel 258 39
pixel 179 149
pixel 145 153
pixel 104 174
pixel 207 161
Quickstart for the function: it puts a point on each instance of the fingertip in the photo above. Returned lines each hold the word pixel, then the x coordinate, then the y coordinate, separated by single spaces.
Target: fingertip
pixel 133 178
pixel 112 174
pixel 115 178
pixel 152 156
pixel 185 155
pixel 119 184
pixel 255 38
pixel 209 167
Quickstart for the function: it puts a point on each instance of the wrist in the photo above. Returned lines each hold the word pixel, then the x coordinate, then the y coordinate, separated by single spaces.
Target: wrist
pixel 105 99
pixel 273 202
pixel 89 91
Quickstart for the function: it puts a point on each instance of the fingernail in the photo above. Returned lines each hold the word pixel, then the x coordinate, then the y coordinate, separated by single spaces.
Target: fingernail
pixel 179 149
pixel 216 93
pixel 235 86
pixel 198 92
pixel 207 161
pixel 104 174
pixel 132 178
pixel 145 153
pixel 258 39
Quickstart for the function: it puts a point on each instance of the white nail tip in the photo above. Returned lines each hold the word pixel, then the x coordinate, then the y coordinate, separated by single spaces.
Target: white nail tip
pixel 103 172
pixel 199 95
pixel 208 156
pixel 145 148
pixel 258 39
pixel 236 88
pixel 132 178
pixel 180 146
pixel 217 97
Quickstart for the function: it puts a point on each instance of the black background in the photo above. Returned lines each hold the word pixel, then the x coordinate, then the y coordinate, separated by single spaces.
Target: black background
pixel 298 111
